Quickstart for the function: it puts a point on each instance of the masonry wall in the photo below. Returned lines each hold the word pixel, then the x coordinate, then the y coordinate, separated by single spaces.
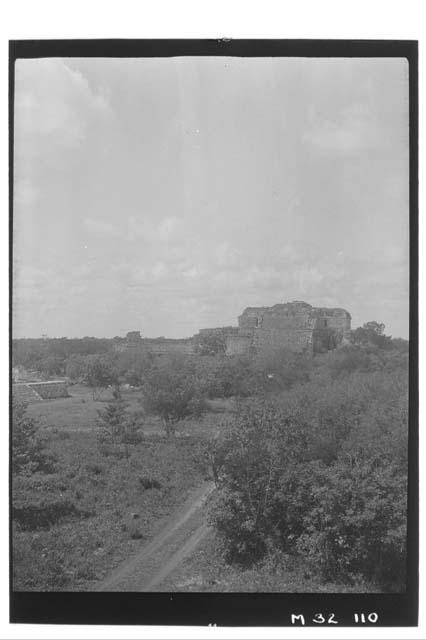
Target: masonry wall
pixel 298 340
pixel 218 331
pixel 338 319
pixel 238 345
pixel 165 346
pixel 251 317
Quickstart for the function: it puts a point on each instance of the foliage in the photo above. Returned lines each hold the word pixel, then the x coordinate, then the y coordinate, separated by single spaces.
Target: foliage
pixel 133 366
pixel 357 522
pixel 242 376
pixel 100 374
pixel 49 356
pixel 43 513
pixel 210 344
pixel 28 446
pixel 51 366
pixel 231 376
pixel 172 396
pixel 321 471
pixel 371 333
pixel 76 366
pixel 116 426
pixel 279 369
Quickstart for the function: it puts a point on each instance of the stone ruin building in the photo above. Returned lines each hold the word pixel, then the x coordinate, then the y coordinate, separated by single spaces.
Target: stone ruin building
pixel 296 326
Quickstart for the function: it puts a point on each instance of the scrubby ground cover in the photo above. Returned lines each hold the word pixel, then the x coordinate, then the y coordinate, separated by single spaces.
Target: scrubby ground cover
pixel 71 527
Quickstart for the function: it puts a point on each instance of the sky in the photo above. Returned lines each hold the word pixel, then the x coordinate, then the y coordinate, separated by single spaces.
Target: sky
pixel 166 195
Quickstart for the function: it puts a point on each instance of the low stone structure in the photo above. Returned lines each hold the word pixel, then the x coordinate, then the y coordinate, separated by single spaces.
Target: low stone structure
pixel 156 346
pixel 36 391
pixel 297 326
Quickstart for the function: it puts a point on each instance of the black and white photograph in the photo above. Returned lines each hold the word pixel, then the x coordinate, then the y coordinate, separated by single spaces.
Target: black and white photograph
pixel 211 334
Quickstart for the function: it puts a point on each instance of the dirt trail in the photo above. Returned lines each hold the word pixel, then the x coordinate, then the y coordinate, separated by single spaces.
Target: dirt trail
pixel 156 560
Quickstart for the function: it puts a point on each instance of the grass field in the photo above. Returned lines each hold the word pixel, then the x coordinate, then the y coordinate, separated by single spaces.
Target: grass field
pixel 79 412
pixel 105 506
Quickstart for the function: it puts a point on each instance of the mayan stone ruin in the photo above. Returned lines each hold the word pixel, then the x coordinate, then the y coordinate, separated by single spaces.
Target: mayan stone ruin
pixel 297 326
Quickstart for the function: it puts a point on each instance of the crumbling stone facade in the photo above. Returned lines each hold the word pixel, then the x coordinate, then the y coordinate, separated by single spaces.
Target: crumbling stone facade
pixel 296 326
pixel 157 346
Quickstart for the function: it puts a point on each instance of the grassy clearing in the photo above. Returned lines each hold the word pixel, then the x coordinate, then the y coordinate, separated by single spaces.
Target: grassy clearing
pixel 79 413
pixel 74 526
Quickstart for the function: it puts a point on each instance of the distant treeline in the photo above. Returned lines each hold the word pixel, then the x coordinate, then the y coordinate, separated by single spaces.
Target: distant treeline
pixel 49 355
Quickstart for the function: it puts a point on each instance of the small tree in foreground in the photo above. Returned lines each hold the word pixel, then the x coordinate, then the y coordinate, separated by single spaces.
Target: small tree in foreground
pixel 116 427
pixel 28 452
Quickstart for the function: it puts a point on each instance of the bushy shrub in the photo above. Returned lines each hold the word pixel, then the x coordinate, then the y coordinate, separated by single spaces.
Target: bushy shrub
pixel 100 373
pixel 42 500
pixel 322 473
pixel 233 376
pixel 248 465
pixel 357 523
pixel 44 513
pixel 148 482
pixel 133 366
pixel 352 358
pixel 28 446
pixel 116 426
pixel 371 333
pixel 279 369
pixel 76 366
pixel 242 376
pixel 172 396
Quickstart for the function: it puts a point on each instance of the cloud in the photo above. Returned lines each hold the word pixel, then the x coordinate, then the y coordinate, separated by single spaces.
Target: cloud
pixel 353 130
pixel 53 101
pixel 307 278
pixel 167 227
pixel 24 193
pixel 227 255
pixel 99 226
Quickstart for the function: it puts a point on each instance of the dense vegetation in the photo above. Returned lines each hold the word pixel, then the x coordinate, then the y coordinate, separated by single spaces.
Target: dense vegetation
pixel 321 470
pixel 311 465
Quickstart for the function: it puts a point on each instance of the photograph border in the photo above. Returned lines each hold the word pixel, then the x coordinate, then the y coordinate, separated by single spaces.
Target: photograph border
pixel 236 609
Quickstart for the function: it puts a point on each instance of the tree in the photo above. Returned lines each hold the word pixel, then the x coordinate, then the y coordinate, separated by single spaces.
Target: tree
pixel 28 453
pixel 259 446
pixel 132 366
pixel 116 426
pixel 75 367
pixel 172 397
pixel 371 333
pixel 100 374
pixel 281 368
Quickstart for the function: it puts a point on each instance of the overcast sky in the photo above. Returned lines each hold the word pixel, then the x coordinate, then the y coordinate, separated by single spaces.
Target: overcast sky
pixel 166 195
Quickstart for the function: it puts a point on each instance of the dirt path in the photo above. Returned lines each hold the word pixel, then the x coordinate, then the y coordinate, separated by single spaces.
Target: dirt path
pixel 156 560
